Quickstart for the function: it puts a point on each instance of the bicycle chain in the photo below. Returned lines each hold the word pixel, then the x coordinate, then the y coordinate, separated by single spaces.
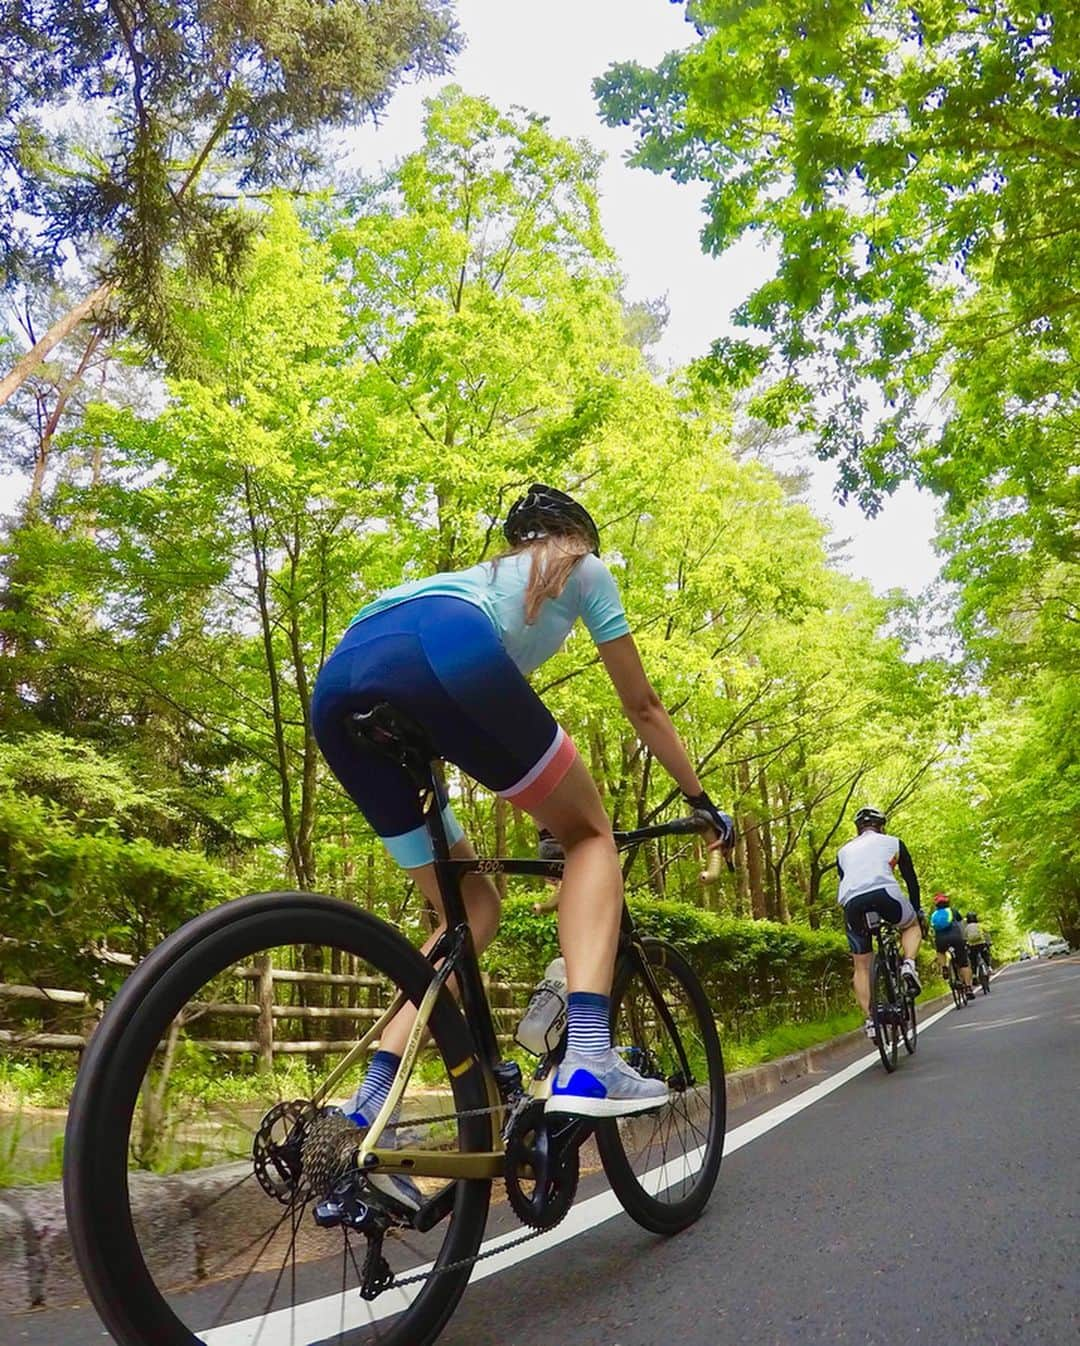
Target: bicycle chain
pixel 464 1262
pixel 407 1122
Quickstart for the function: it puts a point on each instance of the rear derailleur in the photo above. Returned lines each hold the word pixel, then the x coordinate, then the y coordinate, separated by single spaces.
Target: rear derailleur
pixel 344 1208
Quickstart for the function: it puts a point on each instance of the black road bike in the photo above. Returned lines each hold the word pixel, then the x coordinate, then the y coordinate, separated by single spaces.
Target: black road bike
pixel 955 981
pixel 980 966
pixel 892 1001
pixel 210 1206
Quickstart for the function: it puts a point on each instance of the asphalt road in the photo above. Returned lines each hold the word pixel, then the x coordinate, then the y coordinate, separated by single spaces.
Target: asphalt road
pixel 939 1204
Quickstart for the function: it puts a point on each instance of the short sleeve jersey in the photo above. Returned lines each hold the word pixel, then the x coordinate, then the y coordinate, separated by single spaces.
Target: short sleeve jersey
pixel 498 589
pixel 867 863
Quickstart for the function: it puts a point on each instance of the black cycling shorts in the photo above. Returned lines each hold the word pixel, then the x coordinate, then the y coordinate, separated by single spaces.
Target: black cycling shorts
pixel 897 911
pixel 952 937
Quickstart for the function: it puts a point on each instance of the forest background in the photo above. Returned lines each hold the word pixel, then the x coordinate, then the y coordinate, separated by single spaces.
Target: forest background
pixel 245 395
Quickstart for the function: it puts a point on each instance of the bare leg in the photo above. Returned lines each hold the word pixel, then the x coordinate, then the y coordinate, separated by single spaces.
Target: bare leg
pixel 590 900
pixel 910 939
pixel 482 905
pixel 861 980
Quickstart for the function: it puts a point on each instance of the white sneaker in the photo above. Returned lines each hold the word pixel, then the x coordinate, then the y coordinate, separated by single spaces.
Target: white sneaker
pixel 911 975
pixel 603 1086
pixel 870 1031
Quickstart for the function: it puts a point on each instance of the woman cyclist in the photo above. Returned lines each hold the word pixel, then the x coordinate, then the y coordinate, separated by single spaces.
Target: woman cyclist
pixel 948 928
pixel 453 652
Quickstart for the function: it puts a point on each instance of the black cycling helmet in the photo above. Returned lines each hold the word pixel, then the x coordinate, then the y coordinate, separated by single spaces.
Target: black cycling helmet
pixel 546 512
pixel 869 817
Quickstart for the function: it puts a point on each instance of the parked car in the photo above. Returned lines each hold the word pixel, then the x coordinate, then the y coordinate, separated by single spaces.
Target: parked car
pixel 1053 947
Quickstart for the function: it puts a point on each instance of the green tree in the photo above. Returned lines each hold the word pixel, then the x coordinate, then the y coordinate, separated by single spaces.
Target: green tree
pixel 485 300
pixel 916 168
pixel 135 123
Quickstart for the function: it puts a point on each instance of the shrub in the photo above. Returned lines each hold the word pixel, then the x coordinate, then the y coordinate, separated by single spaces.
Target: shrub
pixel 756 973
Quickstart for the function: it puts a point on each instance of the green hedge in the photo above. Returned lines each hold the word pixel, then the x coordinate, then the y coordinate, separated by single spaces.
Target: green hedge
pixel 63 890
pixel 756 972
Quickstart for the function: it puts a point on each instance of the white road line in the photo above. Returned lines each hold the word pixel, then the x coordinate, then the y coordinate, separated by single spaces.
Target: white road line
pixel 1000 1023
pixel 323 1317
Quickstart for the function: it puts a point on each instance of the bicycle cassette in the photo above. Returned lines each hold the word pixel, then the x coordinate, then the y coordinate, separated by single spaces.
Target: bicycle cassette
pixel 542 1166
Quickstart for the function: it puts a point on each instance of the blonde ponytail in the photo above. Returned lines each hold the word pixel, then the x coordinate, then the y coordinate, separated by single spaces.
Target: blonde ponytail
pixel 553 562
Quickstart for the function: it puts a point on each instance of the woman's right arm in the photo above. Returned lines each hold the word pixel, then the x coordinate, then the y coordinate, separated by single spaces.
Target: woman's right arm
pixel 646 712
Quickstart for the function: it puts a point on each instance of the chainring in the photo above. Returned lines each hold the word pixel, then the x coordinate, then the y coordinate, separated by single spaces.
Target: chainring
pixel 542 1166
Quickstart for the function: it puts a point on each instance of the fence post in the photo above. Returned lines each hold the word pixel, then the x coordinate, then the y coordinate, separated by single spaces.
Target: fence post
pixel 265 1028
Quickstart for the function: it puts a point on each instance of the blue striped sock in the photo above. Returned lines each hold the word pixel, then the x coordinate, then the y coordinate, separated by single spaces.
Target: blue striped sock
pixel 364 1105
pixel 589 1026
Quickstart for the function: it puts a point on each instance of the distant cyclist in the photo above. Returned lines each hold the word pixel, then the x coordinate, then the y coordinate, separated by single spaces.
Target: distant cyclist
pixel 453 651
pixel 948 927
pixel 977 940
pixel 867 866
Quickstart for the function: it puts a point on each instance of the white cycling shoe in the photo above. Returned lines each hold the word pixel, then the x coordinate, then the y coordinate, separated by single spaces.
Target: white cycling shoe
pixel 603 1086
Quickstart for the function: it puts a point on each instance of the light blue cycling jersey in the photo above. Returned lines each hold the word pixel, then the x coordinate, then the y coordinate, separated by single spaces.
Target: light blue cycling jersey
pixel 498 589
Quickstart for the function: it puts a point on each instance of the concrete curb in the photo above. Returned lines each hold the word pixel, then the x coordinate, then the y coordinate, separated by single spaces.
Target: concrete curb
pixel 743 1086
pixel 37 1268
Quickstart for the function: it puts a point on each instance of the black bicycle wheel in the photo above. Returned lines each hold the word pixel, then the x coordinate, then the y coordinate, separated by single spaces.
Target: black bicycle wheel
pixel 883 1008
pixel 181 1236
pixel 959 995
pixel 984 975
pixel 909 1024
pixel 663 1165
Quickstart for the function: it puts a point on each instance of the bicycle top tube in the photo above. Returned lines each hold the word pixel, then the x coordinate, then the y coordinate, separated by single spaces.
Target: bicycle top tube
pixel 552 869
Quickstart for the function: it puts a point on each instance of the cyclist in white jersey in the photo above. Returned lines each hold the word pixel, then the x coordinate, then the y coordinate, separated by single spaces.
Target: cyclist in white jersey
pixel 867 866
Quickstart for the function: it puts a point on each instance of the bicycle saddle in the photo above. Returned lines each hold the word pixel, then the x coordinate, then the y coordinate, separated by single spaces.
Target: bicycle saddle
pixel 393 733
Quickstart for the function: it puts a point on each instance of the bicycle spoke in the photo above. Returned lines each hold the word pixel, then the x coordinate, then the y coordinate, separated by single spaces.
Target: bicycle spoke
pixel 214 1119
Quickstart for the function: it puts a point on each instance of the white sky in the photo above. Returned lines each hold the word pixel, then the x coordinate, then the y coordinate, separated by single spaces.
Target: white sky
pixel 545 57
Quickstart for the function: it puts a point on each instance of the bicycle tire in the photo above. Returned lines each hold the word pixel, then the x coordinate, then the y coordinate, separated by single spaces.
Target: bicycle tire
pixel 984 976
pixel 634 1150
pixel 909 1023
pixel 882 996
pixel 101 1220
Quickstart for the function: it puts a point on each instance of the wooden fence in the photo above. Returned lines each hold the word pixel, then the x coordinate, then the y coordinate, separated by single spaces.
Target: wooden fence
pixel 258 1008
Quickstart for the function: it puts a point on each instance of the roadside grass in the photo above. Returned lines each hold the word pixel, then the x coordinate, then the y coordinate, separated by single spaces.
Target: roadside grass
pixel 783 1039
pixel 45 1082
pixel 787 1038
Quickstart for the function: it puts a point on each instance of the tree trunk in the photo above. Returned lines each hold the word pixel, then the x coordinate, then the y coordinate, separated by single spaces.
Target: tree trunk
pixel 305 831
pixel 39 351
pixel 262 585
pixel 502 812
pixel 771 911
pixel 752 838
pixel 265 1023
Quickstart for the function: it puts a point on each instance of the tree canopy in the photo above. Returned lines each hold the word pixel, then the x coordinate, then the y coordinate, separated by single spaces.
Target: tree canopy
pixel 361 392
pixel 127 130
